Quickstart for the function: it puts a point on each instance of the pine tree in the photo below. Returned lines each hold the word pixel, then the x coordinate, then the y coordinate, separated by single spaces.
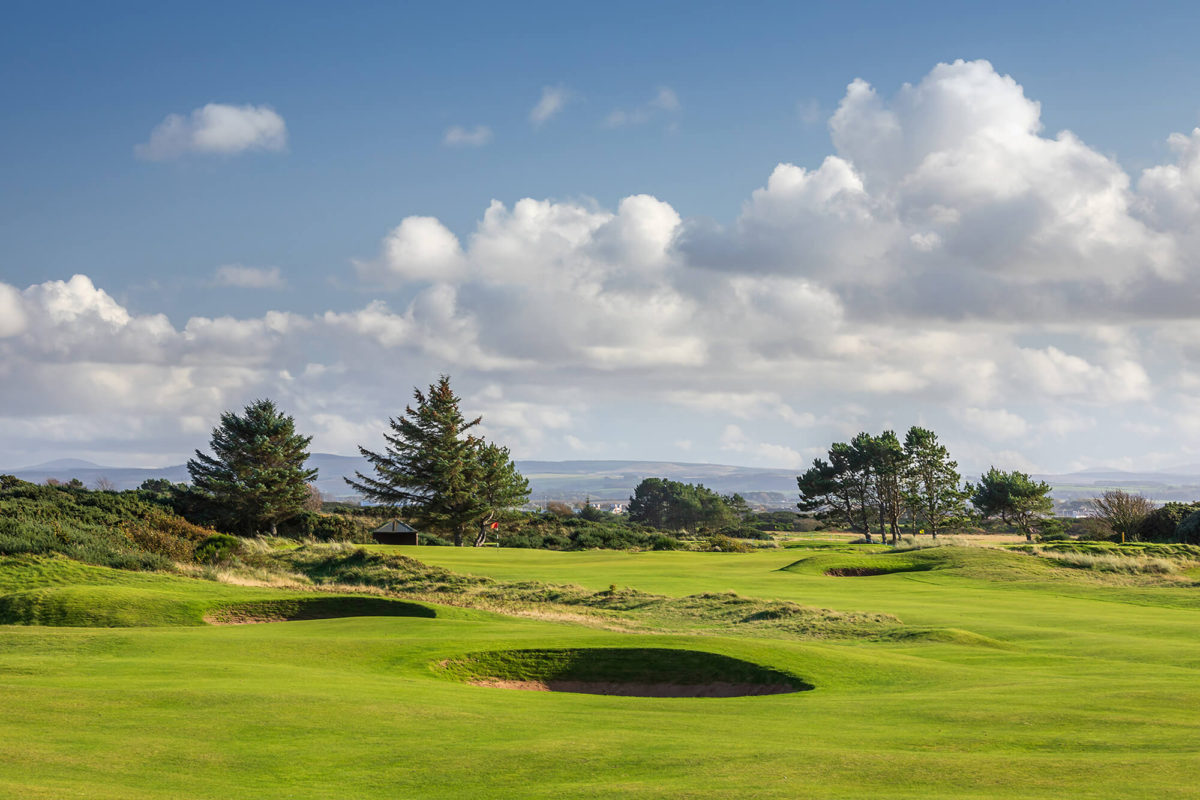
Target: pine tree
pixel 256 476
pixel 1014 497
pixel 932 484
pixel 498 483
pixel 433 467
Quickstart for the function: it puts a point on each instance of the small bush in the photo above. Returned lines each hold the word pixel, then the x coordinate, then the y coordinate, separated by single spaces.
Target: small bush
pixel 327 528
pixel 723 544
pixel 219 548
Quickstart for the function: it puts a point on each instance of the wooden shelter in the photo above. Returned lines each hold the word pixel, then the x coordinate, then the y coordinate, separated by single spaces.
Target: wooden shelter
pixel 395 532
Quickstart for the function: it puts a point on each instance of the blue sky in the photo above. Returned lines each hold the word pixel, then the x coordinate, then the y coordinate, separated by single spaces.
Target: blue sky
pixel 694 105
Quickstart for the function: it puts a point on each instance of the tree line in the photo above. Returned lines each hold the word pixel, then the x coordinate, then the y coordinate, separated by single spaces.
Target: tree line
pixel 873 482
pixel 435 470
pixel 432 468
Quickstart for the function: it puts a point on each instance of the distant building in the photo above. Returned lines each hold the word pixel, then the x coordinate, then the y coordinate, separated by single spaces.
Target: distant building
pixel 395 532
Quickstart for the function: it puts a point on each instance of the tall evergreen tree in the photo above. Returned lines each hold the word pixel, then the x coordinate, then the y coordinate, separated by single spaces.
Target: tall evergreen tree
pixel 498 483
pixel 255 478
pixel 889 464
pixel 932 486
pixel 446 477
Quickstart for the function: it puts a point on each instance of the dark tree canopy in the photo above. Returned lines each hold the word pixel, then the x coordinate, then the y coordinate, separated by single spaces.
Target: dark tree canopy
pixel 1014 497
pixel 255 477
pixel 671 505
pixel 876 480
pixel 440 473
pixel 1162 524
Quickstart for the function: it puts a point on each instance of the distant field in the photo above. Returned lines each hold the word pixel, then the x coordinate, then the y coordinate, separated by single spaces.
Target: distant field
pixel 1010 677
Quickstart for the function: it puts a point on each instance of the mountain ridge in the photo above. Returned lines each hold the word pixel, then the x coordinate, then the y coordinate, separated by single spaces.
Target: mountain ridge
pixel 615 479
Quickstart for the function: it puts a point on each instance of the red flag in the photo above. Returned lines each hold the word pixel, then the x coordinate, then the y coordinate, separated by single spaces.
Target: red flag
pixel 495 525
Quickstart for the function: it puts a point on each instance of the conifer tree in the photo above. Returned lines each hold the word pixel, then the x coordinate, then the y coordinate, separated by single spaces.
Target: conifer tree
pixel 1014 497
pixel 446 477
pixel 256 476
pixel 933 487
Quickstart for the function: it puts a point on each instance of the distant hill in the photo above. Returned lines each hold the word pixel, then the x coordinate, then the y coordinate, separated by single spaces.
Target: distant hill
pixel 66 463
pixel 615 480
pixel 549 480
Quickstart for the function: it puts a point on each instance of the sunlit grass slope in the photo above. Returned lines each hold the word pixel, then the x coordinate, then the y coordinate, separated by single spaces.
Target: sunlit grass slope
pixel 1092 692
pixel 56 591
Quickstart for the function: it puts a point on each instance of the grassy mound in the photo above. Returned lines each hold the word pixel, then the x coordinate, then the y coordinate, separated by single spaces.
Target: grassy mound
pixel 340 566
pixel 59 592
pixel 636 672
pixel 975 562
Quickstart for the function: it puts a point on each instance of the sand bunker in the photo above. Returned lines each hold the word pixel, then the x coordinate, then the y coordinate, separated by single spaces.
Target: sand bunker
pixel 716 689
pixel 304 608
pixel 860 572
pixel 626 672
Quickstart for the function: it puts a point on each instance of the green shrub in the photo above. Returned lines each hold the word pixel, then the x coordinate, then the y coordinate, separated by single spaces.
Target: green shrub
pixel 787 521
pixel 743 531
pixel 551 532
pixel 723 544
pixel 328 527
pixel 1160 525
pixel 219 548
pixel 1188 531
pixel 113 529
pixel 608 537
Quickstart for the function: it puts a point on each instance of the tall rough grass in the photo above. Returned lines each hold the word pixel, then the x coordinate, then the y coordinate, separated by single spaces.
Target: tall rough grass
pixel 1109 562
pixel 908 543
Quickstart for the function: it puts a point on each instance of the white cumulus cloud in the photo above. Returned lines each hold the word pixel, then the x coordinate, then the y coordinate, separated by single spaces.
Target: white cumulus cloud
pixel 216 129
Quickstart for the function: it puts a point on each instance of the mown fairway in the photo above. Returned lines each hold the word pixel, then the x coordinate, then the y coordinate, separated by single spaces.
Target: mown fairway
pixel 1047 684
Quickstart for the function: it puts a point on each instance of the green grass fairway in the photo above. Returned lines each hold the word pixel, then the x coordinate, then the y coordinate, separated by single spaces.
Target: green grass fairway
pixel 1022 679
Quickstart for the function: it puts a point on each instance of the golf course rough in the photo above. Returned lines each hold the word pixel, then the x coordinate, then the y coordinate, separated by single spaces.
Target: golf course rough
pixel 1010 678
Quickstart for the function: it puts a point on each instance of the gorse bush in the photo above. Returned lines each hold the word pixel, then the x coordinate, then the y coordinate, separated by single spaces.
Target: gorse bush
pixel 1161 524
pixel 329 527
pixel 121 530
pixel 219 548
pixel 548 531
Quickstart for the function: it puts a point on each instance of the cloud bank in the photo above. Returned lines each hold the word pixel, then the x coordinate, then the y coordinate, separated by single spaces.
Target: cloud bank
pixel 950 263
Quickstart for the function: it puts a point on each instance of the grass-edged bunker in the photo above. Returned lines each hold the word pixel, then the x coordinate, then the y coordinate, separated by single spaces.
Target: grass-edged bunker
pixel 625 671
pixel 319 607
